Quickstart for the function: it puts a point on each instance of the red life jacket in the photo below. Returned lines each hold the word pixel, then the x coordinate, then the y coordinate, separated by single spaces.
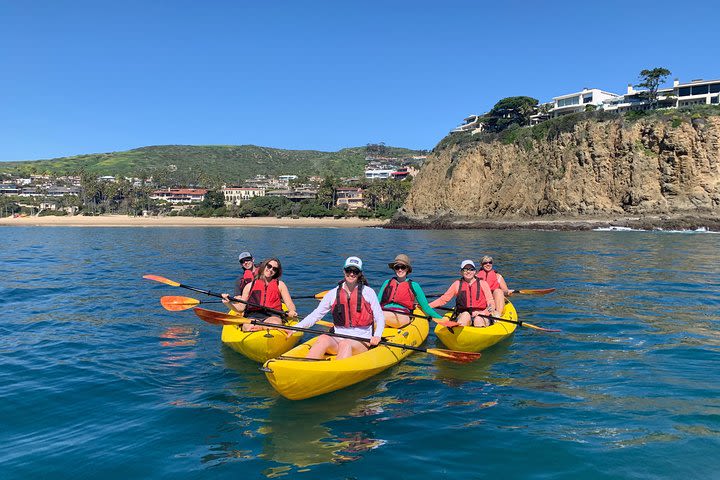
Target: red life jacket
pixel 352 311
pixel 400 293
pixel 490 277
pixel 470 297
pixel 266 294
pixel 244 279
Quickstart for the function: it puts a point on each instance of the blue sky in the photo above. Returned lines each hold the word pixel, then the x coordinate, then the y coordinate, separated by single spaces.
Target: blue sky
pixel 98 76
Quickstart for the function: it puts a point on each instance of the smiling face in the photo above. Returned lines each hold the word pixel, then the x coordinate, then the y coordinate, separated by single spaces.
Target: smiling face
pixel 351 274
pixel 401 270
pixel 468 272
pixel 271 269
pixel 487 265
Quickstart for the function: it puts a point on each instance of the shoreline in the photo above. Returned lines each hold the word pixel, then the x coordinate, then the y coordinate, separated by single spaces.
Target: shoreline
pixel 151 221
pixel 683 222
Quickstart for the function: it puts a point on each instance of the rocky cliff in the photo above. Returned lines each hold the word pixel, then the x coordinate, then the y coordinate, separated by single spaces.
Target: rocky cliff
pixel 595 169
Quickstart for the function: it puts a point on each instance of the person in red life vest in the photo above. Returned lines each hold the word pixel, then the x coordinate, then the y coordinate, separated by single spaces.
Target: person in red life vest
pixel 249 271
pixel 472 297
pixel 497 284
pixel 355 308
pixel 399 295
pixel 266 290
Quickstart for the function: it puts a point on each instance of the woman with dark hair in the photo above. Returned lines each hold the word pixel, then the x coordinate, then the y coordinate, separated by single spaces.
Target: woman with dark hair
pixel 265 291
pixel 355 308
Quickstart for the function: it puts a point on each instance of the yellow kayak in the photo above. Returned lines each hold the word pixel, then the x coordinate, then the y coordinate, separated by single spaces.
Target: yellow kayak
pixel 259 346
pixel 296 378
pixel 475 339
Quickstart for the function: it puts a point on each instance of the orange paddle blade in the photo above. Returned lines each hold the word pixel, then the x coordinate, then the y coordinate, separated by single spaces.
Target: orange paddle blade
pixel 321 295
pixel 454 355
pixel 177 304
pixel 218 318
pixel 158 278
pixel 536 291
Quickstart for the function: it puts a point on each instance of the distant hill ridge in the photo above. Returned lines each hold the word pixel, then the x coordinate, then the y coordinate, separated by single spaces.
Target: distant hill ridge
pixel 208 164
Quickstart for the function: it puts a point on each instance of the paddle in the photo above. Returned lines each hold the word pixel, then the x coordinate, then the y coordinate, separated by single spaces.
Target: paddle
pixel 177 304
pixel 519 323
pixel 172 283
pixel 219 318
pixel 525 291
pixel 317 296
pixel 441 321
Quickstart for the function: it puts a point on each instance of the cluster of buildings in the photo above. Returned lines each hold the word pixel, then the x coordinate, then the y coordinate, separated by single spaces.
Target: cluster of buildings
pixel 45 186
pixel 695 92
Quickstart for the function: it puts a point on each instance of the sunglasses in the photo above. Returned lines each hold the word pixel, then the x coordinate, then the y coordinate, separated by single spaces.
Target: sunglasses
pixel 487 263
pixel 468 269
pixel 246 260
pixel 400 267
pixel 352 271
pixel 272 267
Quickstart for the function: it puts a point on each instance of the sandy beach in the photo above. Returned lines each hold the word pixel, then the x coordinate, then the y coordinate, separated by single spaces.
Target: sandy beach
pixel 126 221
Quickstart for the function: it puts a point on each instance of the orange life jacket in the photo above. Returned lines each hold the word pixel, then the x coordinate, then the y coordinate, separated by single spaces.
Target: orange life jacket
pixel 266 294
pixel 242 280
pixel 353 310
pixel 400 293
pixel 490 277
pixel 470 297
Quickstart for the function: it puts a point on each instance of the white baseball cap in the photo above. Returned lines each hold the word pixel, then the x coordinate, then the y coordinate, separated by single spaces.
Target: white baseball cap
pixel 466 263
pixel 353 262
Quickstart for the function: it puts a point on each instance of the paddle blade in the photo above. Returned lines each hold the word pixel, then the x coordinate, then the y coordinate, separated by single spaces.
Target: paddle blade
pixel 218 318
pixel 536 291
pixel 321 295
pixel 158 278
pixel 542 329
pixel 454 355
pixel 177 304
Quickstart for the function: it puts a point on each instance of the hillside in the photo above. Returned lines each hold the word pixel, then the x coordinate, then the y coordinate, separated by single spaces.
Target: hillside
pixel 586 167
pixel 207 165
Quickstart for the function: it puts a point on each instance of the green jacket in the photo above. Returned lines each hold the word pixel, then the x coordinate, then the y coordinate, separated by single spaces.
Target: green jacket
pixel 419 298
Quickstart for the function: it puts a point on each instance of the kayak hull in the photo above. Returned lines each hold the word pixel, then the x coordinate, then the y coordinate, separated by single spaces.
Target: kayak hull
pixel 259 346
pixel 476 339
pixel 297 378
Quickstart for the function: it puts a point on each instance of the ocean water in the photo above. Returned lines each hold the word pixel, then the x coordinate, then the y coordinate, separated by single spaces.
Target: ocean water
pixel 98 381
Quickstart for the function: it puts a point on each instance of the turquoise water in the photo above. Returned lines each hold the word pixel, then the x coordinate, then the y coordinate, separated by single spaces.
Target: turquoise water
pixel 97 380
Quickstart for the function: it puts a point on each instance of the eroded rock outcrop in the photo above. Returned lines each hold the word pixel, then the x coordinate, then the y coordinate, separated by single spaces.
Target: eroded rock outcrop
pixel 599 169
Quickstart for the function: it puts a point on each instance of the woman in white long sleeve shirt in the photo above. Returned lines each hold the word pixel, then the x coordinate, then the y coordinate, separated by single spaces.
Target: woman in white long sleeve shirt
pixel 356 311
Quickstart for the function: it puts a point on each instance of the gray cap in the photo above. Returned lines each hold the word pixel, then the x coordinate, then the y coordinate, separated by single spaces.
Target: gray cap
pixel 244 255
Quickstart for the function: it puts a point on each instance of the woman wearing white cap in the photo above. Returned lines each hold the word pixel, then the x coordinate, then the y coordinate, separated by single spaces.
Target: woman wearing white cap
pixel 399 295
pixel 249 271
pixel 355 309
pixel 472 297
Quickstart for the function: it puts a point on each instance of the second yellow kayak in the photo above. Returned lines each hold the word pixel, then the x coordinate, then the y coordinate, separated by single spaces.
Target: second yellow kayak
pixel 475 339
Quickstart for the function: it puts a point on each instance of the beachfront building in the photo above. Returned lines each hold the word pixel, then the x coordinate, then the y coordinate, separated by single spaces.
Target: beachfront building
pixel 471 123
pixel 378 173
pixel 237 195
pixel 350 196
pixel 579 101
pixel 697 92
pixel 180 195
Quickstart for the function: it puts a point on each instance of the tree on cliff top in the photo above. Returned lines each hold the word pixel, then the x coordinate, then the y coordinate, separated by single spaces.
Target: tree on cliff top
pixel 651 79
pixel 508 111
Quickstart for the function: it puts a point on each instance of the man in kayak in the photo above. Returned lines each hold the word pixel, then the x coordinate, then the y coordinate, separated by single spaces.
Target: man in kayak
pixel 249 271
pixel 399 295
pixel 265 290
pixel 355 308
pixel 472 297
pixel 495 281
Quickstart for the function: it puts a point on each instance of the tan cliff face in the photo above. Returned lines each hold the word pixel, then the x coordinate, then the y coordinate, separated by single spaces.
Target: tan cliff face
pixel 600 168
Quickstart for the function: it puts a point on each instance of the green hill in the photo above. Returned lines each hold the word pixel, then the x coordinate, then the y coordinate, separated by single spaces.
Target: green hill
pixel 207 165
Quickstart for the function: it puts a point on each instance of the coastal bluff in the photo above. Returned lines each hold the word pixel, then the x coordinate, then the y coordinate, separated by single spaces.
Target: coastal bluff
pixel 647 173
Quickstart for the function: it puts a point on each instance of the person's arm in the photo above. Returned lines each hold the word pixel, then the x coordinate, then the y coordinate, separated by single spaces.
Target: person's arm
pixel 285 294
pixel 377 311
pixel 504 286
pixel 382 289
pixel 447 296
pixel 320 310
pixel 422 301
pixel 237 306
